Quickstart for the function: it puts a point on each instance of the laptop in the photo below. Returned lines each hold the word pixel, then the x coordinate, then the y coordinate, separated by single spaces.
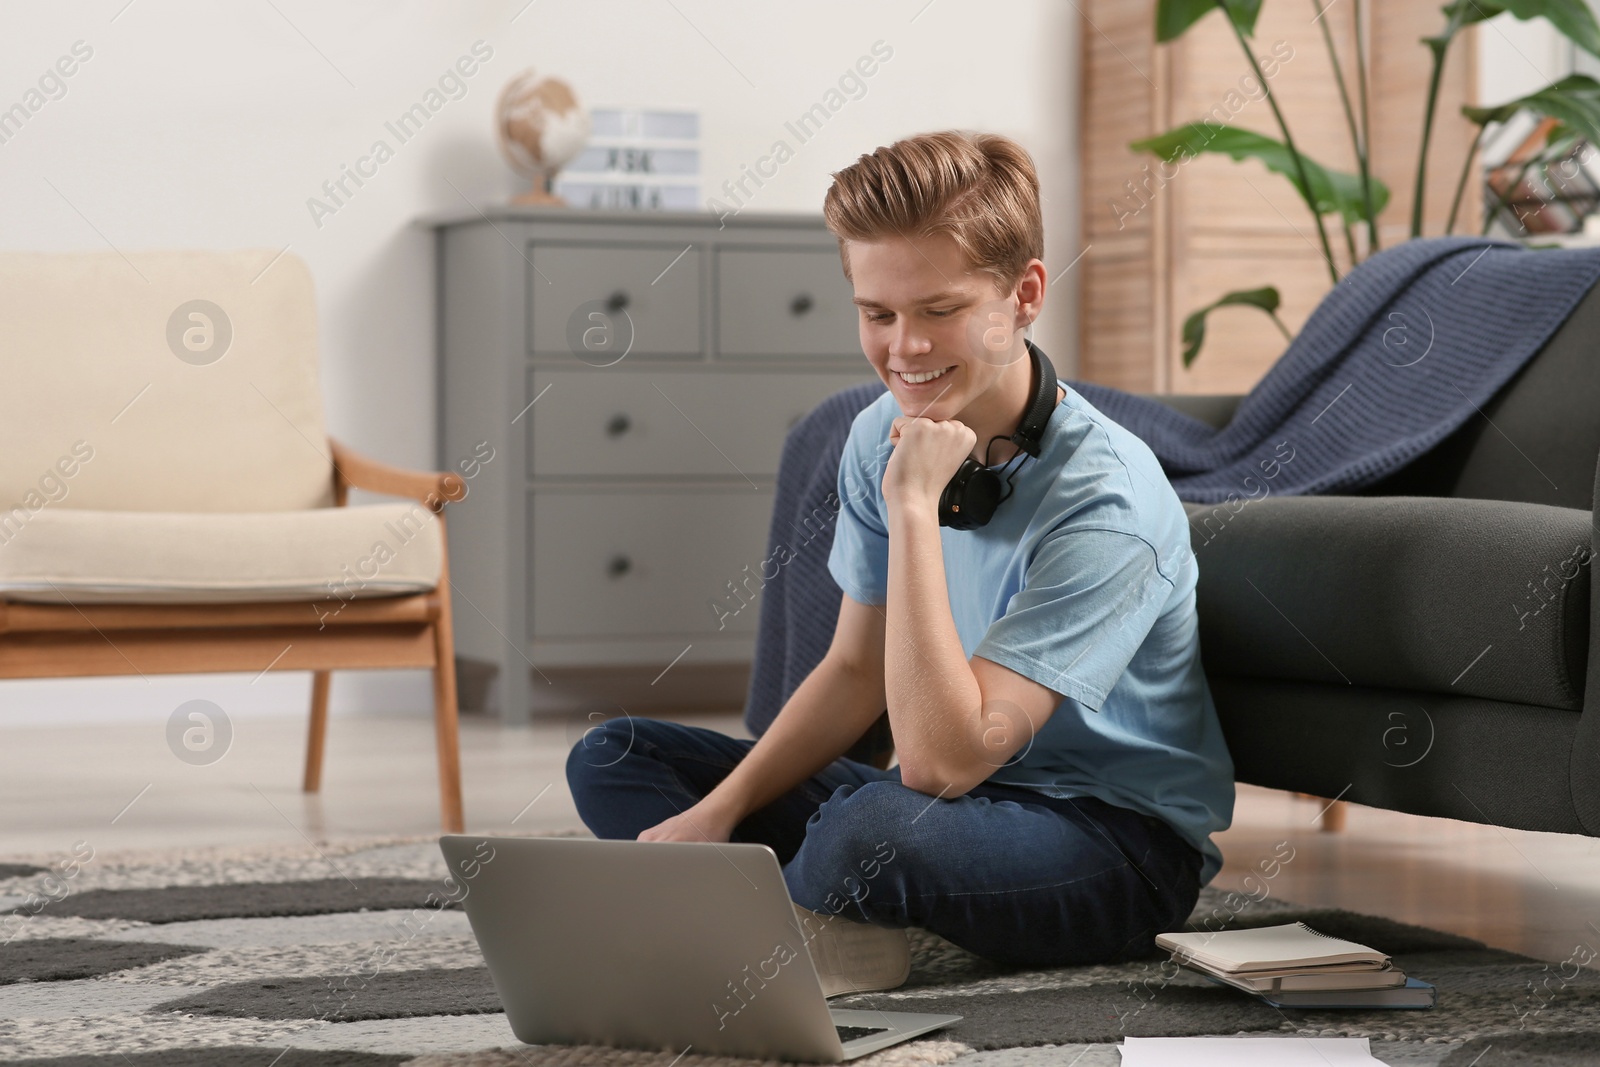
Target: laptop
pixel 659 945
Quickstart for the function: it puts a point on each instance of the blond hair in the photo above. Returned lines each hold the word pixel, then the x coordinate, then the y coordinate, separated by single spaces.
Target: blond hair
pixel 981 189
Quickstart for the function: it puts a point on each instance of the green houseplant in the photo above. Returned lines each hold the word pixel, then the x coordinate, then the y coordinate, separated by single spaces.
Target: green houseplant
pixel 1354 201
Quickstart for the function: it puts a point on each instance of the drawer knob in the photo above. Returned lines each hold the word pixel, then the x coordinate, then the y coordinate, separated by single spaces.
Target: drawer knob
pixel 619 425
pixel 619 565
pixel 616 301
pixel 801 304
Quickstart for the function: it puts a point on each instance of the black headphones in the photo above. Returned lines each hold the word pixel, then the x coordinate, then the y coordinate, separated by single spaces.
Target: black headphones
pixel 972 496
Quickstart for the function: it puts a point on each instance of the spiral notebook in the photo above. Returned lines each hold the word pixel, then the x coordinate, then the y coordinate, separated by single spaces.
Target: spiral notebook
pixel 1270 951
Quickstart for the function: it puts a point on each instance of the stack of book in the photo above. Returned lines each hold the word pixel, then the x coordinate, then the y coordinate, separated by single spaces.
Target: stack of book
pixel 1293 966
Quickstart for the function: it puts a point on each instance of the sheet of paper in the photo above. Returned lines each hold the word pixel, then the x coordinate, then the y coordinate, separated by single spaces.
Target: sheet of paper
pixel 1246 1052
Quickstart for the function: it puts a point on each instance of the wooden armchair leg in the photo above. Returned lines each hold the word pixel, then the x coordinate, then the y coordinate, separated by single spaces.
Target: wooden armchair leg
pixel 318 732
pixel 446 728
pixel 1332 815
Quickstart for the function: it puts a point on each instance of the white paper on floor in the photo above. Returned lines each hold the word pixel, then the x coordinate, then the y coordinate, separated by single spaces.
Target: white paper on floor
pixel 1247 1052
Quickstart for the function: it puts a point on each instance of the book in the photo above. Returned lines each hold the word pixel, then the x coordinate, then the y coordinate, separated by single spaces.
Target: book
pixel 1260 1050
pixel 1414 994
pixel 1322 978
pixel 1270 951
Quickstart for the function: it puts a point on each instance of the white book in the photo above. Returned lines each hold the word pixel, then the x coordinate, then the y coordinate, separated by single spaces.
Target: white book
pixel 1337 978
pixel 1292 948
pixel 1260 1051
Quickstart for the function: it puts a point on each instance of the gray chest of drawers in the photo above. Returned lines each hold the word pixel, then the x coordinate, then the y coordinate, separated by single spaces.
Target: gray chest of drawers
pixel 635 375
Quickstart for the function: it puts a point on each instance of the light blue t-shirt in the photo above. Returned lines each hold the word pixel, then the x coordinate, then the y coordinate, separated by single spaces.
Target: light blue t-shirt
pixel 1084 581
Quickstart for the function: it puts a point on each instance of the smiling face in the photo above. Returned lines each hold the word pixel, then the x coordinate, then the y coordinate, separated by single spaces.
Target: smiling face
pixel 940 334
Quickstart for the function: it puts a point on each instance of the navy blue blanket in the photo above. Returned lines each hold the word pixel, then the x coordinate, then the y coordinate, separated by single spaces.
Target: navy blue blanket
pixel 800 604
pixel 1412 344
pixel 1402 352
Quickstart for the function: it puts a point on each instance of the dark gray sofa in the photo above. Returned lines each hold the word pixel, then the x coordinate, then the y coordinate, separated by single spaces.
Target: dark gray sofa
pixel 1424 646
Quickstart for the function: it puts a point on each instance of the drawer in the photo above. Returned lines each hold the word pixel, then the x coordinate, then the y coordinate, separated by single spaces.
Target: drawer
pixel 621 422
pixel 785 302
pixel 599 302
pixel 645 563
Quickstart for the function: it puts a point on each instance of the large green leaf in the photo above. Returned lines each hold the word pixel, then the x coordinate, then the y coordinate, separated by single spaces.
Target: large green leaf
pixel 1574 101
pixel 1174 17
pixel 1572 17
pixel 1194 327
pixel 1331 190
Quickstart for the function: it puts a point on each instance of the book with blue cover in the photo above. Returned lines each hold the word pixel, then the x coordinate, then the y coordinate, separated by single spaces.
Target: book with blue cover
pixel 1414 994
pixel 1294 966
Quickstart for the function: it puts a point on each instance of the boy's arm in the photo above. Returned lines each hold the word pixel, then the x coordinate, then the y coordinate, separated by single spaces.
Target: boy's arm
pixel 955 722
pixel 841 697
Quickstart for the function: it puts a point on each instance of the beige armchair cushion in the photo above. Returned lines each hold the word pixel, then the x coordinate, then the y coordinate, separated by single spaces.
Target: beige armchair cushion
pixel 94 382
pixel 322 555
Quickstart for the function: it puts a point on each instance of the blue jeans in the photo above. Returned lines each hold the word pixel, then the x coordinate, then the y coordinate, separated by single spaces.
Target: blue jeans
pixel 1002 871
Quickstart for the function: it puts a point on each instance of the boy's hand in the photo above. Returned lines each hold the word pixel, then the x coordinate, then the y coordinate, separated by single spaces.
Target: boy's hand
pixel 696 824
pixel 926 456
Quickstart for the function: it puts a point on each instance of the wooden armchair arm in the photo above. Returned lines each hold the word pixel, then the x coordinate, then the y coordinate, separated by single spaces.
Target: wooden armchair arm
pixel 353 470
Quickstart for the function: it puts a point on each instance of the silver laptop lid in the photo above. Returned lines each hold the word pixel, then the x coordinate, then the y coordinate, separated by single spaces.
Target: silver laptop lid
pixel 644 944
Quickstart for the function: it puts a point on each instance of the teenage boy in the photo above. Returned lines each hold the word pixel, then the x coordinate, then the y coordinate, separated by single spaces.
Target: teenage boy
pixel 1060 764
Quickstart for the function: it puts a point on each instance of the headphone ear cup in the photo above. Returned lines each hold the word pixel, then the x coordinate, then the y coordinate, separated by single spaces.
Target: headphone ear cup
pixel 972 496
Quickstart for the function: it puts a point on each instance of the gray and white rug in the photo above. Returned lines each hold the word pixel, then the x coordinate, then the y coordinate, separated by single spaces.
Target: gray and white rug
pixel 350 954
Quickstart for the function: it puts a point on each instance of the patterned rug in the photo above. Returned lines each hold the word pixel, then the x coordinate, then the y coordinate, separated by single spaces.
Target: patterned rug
pixel 350 954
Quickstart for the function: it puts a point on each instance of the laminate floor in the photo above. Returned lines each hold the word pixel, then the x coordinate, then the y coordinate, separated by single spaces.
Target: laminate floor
pixel 120 786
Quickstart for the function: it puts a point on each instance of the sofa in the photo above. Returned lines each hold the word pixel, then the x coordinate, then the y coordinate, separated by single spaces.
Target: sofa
pixel 1422 646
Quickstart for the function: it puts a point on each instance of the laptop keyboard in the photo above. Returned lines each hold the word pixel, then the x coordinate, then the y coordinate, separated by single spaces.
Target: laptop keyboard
pixel 851 1033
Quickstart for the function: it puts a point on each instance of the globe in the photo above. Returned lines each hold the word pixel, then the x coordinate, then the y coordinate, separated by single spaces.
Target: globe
pixel 540 127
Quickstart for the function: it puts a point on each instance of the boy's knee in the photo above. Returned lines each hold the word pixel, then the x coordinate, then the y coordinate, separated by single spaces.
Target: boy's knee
pixel 601 748
pixel 879 802
pixel 853 845
pixel 859 822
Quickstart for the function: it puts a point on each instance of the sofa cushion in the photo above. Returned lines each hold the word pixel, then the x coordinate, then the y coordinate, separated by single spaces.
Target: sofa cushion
pixel 1215 409
pixel 160 381
pixel 1478 598
pixel 325 555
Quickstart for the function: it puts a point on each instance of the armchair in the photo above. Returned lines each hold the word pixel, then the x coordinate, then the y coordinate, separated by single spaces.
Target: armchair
pixel 170 502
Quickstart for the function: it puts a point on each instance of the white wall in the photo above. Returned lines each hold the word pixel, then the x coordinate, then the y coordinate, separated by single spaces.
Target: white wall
pixel 211 123
pixel 1516 57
